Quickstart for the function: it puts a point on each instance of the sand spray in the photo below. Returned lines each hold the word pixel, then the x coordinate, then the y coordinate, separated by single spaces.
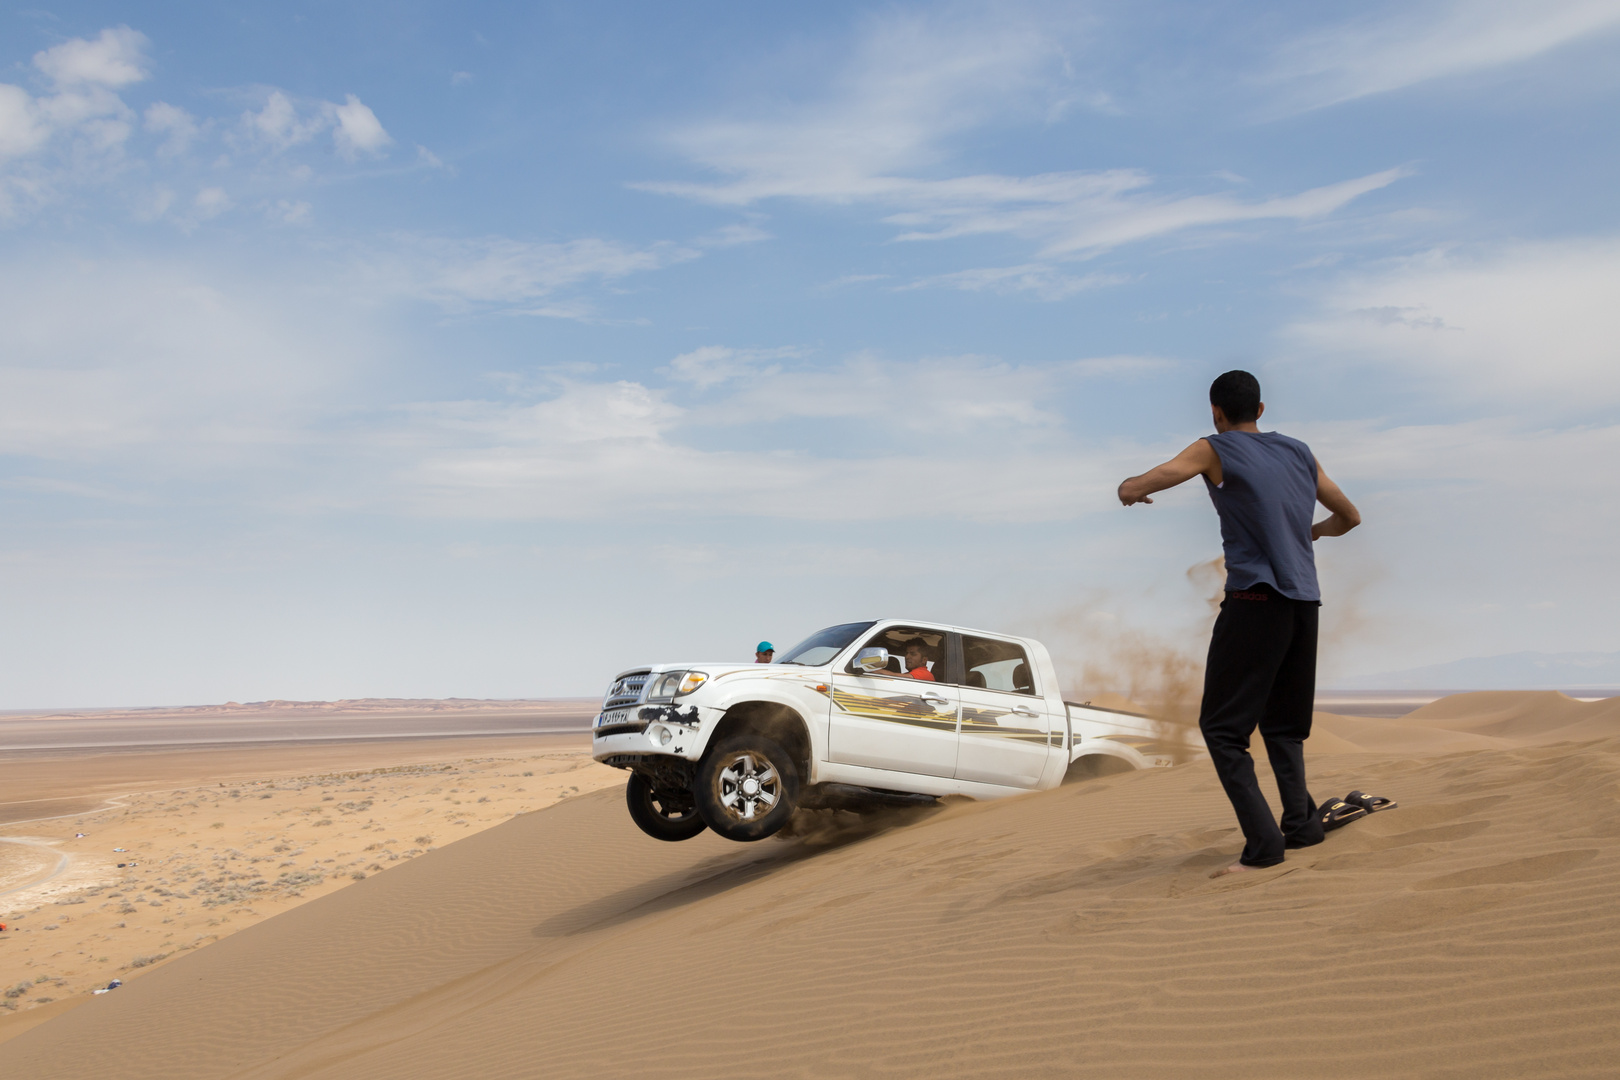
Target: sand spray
pixel 1159 674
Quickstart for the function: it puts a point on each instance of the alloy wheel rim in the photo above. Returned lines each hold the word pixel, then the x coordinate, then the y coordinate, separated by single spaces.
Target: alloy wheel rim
pixel 748 786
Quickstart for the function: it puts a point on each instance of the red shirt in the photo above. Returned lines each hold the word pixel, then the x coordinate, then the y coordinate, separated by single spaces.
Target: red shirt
pixel 922 673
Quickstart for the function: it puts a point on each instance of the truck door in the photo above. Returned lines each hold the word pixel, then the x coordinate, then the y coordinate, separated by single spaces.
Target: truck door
pixel 1006 730
pixel 892 719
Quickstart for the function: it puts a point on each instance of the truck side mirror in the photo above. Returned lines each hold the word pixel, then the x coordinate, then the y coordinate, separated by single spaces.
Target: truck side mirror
pixel 873 659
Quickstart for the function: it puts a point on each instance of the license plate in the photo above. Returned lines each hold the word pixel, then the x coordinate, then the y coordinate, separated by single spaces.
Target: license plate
pixel 609 718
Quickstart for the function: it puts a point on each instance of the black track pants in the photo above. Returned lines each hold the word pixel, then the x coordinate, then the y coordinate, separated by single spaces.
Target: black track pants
pixel 1262 673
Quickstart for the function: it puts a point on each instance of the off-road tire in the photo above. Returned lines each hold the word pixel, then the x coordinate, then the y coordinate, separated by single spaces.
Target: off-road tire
pixel 1094 767
pixel 736 809
pixel 662 815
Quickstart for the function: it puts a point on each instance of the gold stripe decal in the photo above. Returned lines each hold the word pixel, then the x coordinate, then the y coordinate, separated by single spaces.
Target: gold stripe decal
pixel 909 709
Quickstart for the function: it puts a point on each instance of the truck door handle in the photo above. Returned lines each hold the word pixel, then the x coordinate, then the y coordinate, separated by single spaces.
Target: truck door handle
pixel 935 699
pixel 1024 710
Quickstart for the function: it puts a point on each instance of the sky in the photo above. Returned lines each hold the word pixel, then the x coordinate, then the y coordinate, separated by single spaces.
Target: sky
pixel 487 349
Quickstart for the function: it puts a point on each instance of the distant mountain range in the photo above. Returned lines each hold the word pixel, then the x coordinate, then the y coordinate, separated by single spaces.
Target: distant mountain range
pixel 1510 671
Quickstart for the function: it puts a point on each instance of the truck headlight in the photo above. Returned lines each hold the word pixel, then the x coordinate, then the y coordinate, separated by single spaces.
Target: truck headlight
pixel 665 687
pixel 690 682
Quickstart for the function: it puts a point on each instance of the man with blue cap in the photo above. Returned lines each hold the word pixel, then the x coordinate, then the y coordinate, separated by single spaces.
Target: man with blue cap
pixel 763 652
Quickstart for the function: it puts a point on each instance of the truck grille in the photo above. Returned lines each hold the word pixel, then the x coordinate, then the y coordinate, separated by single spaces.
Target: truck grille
pixel 627 691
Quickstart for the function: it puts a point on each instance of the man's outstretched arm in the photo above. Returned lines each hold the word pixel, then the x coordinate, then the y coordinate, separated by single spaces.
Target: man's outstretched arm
pixel 1198 459
pixel 1345 515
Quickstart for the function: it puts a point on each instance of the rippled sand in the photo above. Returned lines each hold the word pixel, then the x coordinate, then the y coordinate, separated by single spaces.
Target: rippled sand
pixel 1472 932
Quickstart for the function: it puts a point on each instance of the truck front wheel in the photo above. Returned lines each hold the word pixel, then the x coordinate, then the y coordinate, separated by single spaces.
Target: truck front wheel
pixel 662 815
pixel 747 787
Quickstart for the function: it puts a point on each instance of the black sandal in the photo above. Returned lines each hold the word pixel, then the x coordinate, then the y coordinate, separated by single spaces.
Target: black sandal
pixel 1370 803
pixel 1336 814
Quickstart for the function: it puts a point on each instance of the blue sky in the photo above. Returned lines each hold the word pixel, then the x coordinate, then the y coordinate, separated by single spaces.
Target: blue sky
pixel 484 349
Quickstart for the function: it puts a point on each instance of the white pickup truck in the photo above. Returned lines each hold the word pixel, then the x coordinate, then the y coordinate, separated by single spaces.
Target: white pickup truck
pixel 861 715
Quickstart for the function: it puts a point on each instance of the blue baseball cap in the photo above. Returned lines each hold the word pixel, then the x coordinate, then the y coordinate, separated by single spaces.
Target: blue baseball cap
pixel 764 646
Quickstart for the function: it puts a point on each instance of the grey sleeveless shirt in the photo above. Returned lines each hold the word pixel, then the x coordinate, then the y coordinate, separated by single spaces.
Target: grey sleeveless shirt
pixel 1266 501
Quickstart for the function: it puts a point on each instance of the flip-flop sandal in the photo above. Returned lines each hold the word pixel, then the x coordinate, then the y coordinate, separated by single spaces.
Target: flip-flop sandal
pixel 1336 814
pixel 1370 803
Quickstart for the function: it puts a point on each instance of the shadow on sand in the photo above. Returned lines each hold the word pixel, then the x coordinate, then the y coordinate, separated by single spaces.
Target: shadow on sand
pixel 809 834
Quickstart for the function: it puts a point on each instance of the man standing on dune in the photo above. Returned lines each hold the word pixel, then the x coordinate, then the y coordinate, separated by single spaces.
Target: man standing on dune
pixel 1261 670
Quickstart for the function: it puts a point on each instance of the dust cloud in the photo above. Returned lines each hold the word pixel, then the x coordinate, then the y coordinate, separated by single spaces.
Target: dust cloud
pixel 1112 664
pixel 1160 674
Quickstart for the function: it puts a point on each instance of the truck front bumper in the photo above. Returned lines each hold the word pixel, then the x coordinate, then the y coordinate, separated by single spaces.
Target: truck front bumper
pixel 672 730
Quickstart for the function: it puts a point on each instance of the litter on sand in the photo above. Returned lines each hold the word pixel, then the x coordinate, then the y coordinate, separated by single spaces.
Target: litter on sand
pixel 115 984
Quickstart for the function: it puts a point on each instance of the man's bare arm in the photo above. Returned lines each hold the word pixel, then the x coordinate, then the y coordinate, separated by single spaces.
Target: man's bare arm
pixel 1345 515
pixel 1198 459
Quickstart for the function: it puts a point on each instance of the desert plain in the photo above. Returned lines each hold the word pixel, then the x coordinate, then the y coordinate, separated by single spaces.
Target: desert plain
pixel 450 905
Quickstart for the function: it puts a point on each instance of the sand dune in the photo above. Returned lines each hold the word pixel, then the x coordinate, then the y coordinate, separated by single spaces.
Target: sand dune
pixel 1472 932
pixel 158 854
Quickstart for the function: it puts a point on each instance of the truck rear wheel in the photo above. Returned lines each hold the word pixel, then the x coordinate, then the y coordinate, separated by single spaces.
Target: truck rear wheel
pixel 747 787
pixel 662 815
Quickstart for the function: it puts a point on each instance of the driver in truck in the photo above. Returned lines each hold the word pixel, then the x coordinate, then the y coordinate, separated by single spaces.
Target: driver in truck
pixel 916 664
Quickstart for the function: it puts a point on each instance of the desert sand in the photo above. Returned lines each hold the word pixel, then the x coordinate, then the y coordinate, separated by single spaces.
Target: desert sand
pixel 116 857
pixel 1471 932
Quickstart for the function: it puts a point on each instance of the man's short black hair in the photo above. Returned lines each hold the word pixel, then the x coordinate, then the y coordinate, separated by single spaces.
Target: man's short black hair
pixel 1237 393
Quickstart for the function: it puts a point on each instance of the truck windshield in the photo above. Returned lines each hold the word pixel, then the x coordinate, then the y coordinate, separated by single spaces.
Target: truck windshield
pixel 823 645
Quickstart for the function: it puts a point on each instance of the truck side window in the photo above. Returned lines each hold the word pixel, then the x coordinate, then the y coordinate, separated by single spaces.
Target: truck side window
pixel 996 665
pixel 894 641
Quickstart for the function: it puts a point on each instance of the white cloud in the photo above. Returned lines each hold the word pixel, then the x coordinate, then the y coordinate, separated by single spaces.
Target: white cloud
pixel 179 127
pixel 1116 366
pixel 290 211
pixel 281 125
pixel 1073 214
pixel 582 454
pixel 502 272
pixel 127 362
pixel 115 58
pixel 22 129
pixel 358 130
pixel 1532 325
pixel 732 235
pixel 77 135
pixel 278 125
pixel 210 202
pixel 84 73
pixel 1381 52
pixel 951 397
pixel 712 364
pixel 878 136
pixel 983 431
pixel 911 81
pixel 153 204
pixel 855 279
pixel 1044 281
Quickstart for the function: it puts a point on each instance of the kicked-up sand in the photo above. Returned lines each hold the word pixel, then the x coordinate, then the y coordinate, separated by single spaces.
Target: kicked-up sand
pixel 1471 932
